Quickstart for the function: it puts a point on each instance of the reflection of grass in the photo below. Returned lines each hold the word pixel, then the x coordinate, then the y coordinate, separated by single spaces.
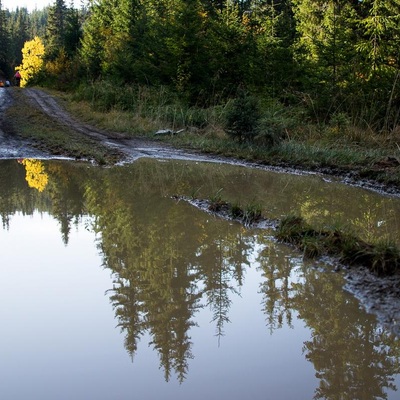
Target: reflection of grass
pixel 47 135
pixel 247 215
pixel 381 258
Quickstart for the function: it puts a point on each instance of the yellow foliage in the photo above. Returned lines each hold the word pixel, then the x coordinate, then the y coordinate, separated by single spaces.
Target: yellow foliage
pixel 246 20
pixel 32 59
pixel 36 176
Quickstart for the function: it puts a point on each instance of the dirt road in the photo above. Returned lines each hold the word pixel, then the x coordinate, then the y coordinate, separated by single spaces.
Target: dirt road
pixel 11 146
pixel 131 148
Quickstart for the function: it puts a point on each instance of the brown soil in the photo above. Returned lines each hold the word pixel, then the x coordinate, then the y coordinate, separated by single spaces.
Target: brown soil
pixel 378 295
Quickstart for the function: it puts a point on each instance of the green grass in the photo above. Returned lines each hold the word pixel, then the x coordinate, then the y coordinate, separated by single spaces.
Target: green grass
pixel 381 258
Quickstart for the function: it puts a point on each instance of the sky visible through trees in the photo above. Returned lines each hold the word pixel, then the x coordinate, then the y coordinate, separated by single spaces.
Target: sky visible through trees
pixel 31 4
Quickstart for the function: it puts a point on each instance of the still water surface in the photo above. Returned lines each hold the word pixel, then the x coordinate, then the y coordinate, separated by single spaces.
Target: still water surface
pixel 111 289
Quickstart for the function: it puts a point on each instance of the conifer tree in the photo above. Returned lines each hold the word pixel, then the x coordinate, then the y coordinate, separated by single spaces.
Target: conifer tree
pixel 56 29
pixel 325 30
pixel 18 28
pixel 4 44
pixel 96 31
pixel 379 35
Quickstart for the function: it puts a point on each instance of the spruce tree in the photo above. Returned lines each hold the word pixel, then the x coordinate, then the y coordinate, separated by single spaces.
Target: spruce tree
pixel 56 29
pixel 4 45
pixel 18 28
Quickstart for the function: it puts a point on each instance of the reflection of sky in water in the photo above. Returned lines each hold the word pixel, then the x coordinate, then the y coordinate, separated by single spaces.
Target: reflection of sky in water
pixel 59 339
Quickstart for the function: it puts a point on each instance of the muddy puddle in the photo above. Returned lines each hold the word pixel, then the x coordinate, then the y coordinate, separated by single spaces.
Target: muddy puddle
pixel 111 288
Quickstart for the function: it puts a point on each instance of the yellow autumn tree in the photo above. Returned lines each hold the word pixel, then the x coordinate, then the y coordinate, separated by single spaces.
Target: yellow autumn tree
pixel 36 175
pixel 32 59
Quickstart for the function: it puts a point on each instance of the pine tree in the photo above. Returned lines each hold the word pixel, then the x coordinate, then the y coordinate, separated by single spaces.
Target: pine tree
pixel 56 29
pixel 325 30
pixel 18 28
pixel 4 44
pixel 97 30
pixel 379 35
pixel 378 73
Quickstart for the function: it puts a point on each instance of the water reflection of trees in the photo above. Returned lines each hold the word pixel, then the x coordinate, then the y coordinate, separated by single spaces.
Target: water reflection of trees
pixel 353 357
pixel 337 331
pixel 60 193
pixel 165 262
pixel 168 261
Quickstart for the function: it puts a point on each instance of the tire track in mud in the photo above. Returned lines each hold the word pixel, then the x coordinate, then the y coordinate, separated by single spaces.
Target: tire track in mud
pixel 11 146
pixel 132 148
pixel 53 110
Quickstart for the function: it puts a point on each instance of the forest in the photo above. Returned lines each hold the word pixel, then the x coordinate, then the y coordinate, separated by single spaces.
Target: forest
pixel 330 62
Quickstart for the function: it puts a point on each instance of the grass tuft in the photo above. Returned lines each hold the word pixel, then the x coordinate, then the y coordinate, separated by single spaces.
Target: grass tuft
pixel 381 258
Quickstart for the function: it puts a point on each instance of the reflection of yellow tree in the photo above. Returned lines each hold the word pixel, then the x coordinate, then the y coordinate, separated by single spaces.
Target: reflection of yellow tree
pixel 36 175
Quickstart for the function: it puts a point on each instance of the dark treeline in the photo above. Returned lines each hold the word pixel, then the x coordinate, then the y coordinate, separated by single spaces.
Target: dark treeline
pixel 338 59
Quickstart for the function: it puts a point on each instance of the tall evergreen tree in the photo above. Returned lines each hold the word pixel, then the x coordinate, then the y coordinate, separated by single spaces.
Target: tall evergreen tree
pixel 97 29
pixel 4 44
pixel 38 23
pixel 56 29
pixel 18 28
pixel 379 68
pixel 379 35
pixel 325 30
pixel 122 49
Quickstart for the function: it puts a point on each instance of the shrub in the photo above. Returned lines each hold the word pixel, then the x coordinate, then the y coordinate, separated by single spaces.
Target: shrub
pixel 243 118
pixel 275 123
